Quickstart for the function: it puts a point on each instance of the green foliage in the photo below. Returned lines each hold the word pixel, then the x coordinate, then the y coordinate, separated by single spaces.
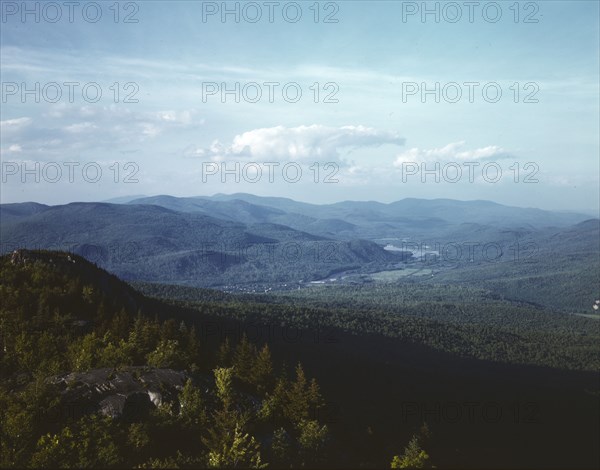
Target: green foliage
pixel 414 455
pixel 274 404
pixel 91 442
pixel 313 439
pixel 224 354
pixel 57 316
pixel 115 354
pixel 243 360
pixel 192 348
pixel 281 447
pixel 137 436
pixel 24 416
pixel 56 320
pixel 252 366
pixel 303 397
pixel 83 353
pixel 166 354
pixel 223 383
pixel 168 462
pixel 191 407
pixel 239 451
pixel 263 370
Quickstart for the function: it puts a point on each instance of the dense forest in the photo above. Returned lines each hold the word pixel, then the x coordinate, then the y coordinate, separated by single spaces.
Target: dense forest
pixel 468 321
pixel 97 373
pixel 70 331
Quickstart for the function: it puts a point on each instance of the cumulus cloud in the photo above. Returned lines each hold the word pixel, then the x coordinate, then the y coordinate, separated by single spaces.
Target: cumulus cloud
pixel 455 152
pixel 297 143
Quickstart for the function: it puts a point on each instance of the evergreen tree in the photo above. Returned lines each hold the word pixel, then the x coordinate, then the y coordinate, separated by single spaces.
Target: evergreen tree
pixel 413 457
pixel 192 348
pixel 240 450
pixel 281 447
pixel 166 354
pixel 262 375
pixel 83 353
pixel 224 354
pixel 297 406
pixel 191 409
pixel 91 442
pixel 243 360
pixel 223 382
pixel 312 439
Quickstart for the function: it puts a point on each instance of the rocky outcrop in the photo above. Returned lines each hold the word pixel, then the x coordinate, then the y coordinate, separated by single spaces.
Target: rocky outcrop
pixel 23 257
pixel 129 393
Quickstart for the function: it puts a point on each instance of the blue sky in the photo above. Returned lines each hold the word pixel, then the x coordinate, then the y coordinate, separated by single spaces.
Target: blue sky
pixel 371 138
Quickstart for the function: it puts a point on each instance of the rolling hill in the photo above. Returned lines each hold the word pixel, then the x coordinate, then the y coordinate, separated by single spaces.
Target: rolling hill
pixel 241 239
pixel 153 243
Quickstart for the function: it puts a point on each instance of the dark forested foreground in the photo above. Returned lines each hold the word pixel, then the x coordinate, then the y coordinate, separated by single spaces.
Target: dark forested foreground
pixel 96 374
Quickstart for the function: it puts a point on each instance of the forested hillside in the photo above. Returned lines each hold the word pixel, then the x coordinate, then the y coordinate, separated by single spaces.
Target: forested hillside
pixel 92 378
pixel 96 374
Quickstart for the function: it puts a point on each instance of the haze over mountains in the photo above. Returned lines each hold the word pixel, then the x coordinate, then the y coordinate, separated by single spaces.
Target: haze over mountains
pixel 241 238
pixel 409 212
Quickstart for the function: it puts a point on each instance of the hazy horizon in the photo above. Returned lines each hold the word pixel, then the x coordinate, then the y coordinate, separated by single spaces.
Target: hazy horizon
pixel 131 197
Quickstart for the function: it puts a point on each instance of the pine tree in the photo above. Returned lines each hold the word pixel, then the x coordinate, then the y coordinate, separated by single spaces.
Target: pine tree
pixel 413 457
pixel 166 354
pixel 238 451
pixel 243 360
pixel 262 375
pixel 193 348
pixel 223 382
pixel 83 354
pixel 297 406
pixel 191 409
pixel 274 405
pixel 119 325
pixel 281 447
pixel 224 354
pixel 314 397
pixel 312 439
pixel 168 330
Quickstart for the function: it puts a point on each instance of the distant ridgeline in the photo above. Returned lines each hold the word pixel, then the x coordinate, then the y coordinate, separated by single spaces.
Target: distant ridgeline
pixel 260 244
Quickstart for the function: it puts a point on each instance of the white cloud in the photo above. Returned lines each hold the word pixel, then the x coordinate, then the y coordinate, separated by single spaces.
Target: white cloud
pixel 14 124
pixel 150 130
pixel 81 127
pixel 297 143
pixel 11 150
pixel 68 130
pixel 184 118
pixel 454 152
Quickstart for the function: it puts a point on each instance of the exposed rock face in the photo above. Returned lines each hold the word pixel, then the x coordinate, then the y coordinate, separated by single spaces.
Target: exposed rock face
pixel 129 393
pixel 24 257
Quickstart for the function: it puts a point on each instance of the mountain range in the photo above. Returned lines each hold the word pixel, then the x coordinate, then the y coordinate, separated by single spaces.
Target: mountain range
pixel 244 239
